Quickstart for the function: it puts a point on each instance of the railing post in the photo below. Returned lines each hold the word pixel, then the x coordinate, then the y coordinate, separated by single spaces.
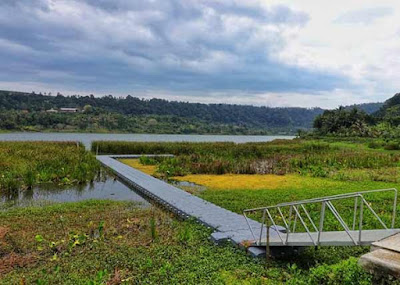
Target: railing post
pixel 321 222
pixel 394 209
pixel 288 231
pixel 361 221
pixel 262 225
pixel 290 219
pixel 355 212
pixel 295 219
pixel 267 249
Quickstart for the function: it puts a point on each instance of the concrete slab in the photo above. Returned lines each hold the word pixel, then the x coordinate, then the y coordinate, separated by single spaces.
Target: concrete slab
pixel 382 262
pixel 391 243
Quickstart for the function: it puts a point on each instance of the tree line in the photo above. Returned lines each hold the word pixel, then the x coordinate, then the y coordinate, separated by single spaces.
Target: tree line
pixel 27 111
pixel 354 122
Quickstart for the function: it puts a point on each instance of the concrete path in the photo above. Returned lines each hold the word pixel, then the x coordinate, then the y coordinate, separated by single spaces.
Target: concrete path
pixel 227 225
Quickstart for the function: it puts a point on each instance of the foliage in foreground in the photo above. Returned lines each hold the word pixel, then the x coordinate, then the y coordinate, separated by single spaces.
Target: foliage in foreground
pixel 96 242
pixel 25 164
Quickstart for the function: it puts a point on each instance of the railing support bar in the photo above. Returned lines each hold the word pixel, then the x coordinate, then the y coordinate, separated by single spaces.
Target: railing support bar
pixel 309 218
pixel 305 226
pixel 374 213
pixel 341 221
pixel 283 218
pixel 275 227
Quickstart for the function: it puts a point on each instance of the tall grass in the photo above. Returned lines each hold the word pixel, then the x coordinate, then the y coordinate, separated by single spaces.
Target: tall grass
pixel 314 158
pixel 25 164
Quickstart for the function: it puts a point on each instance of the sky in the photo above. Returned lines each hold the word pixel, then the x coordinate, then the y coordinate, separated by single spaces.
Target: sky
pixel 307 53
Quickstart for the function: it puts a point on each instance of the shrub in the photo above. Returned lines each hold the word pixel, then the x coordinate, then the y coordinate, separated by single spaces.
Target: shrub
pixel 347 272
pixel 392 146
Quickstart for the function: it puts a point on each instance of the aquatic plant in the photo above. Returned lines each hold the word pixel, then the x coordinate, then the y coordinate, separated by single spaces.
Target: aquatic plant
pixel 314 158
pixel 25 164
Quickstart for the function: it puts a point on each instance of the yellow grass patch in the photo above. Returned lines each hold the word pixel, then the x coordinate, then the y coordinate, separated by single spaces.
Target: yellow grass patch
pixel 245 181
pixel 256 181
pixel 135 163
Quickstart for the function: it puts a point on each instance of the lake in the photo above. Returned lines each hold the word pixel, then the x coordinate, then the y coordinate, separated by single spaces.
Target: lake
pixel 106 188
pixel 87 138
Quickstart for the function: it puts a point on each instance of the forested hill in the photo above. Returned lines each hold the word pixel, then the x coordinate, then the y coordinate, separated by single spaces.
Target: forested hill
pixel 368 108
pixel 251 116
pixel 390 108
pixel 27 111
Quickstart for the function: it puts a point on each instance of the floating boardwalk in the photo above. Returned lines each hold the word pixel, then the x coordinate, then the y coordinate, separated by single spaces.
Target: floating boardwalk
pixel 227 225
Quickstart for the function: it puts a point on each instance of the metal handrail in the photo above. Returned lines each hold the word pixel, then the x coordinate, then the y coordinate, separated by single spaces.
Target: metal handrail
pixel 326 202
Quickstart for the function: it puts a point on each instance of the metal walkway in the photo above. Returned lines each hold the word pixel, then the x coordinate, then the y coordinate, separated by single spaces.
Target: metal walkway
pixel 228 225
pixel 299 213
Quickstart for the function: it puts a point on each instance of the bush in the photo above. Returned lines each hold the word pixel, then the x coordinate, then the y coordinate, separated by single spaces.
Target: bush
pixel 375 144
pixel 392 146
pixel 347 272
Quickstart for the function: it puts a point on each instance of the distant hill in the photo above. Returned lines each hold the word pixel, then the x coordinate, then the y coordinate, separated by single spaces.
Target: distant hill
pixel 369 108
pixel 238 115
pixel 26 111
pixel 390 105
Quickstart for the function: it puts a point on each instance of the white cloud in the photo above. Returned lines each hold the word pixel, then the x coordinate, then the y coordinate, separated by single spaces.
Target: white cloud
pixel 367 53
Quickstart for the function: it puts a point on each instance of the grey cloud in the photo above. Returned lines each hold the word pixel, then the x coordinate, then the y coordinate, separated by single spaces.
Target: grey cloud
pixel 165 44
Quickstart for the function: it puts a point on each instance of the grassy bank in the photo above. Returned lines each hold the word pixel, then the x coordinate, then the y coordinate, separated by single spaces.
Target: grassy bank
pixel 25 164
pixel 103 242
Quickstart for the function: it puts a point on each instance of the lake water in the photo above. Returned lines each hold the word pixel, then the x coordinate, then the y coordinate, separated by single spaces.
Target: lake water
pixel 87 138
pixel 107 188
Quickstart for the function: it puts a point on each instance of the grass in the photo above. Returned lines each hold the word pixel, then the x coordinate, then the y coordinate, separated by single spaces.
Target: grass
pixel 312 158
pixel 293 188
pixel 104 242
pixel 25 164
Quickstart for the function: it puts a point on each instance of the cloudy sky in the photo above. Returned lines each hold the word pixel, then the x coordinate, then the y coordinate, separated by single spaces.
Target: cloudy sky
pixel 275 53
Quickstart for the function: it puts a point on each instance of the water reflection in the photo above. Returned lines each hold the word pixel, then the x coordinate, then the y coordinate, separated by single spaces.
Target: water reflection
pixel 105 187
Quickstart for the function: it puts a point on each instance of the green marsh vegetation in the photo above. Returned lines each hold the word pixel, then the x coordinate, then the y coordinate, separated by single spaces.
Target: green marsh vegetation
pixel 26 164
pixel 309 169
pixel 314 158
pixel 104 242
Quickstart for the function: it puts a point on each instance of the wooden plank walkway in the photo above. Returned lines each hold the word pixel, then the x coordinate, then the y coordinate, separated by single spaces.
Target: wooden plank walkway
pixel 228 225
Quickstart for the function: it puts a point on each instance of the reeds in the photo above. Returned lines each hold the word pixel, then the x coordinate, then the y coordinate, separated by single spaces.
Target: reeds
pixel 25 164
pixel 319 159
